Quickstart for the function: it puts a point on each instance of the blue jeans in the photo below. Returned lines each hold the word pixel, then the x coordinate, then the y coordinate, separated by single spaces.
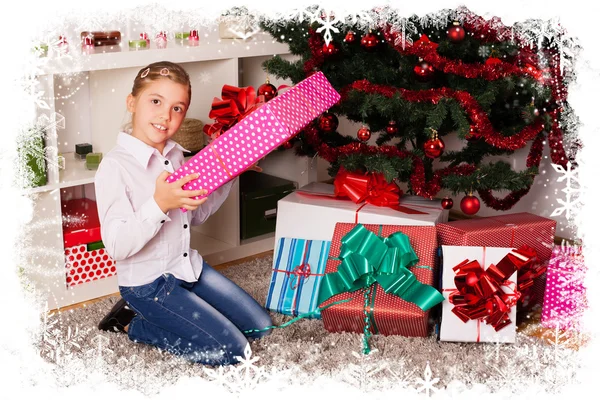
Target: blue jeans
pixel 201 321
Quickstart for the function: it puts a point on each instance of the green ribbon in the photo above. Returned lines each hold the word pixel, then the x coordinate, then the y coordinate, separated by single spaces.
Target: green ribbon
pixel 368 258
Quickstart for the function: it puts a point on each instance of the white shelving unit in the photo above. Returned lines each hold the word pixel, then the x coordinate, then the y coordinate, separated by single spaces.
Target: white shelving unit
pixel 90 91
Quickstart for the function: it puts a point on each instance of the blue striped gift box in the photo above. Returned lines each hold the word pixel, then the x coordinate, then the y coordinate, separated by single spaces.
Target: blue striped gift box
pixel 298 268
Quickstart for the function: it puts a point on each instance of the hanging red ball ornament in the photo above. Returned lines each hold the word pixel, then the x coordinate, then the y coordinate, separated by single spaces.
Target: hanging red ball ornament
pixel 447 203
pixel 424 70
pixel 369 41
pixel 471 134
pixel 350 37
pixel 329 49
pixel 364 134
pixel 434 147
pixel 470 205
pixel 267 90
pixel 391 129
pixel 456 33
pixel 328 122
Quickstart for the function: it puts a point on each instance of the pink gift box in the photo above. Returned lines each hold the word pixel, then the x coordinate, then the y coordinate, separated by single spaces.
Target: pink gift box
pixel 564 298
pixel 257 134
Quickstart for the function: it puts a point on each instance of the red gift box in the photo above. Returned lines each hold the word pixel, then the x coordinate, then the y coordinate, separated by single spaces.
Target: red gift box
pixel 391 314
pixel 85 265
pixel 509 230
pixel 81 224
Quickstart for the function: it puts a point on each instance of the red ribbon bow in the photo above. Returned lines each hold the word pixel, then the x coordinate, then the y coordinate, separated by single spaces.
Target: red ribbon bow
pixel 529 271
pixel 301 271
pixel 370 188
pixel 235 104
pixel 478 294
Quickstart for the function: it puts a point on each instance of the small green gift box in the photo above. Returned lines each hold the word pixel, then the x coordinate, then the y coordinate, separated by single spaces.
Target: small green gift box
pixel 138 44
pixel 182 35
pixel 92 160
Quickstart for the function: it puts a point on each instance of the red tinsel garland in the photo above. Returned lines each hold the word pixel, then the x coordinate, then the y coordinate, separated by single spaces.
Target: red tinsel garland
pixel 479 118
pixel 427 50
pixel 533 159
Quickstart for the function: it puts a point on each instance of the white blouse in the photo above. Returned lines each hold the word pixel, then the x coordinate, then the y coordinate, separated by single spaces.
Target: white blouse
pixel 144 241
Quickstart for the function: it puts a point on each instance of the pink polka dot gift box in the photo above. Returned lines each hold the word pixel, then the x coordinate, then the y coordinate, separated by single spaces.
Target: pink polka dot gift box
pixel 565 298
pixel 257 134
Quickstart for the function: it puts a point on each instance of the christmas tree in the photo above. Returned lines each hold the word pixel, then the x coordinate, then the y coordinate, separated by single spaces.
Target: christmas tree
pixel 413 81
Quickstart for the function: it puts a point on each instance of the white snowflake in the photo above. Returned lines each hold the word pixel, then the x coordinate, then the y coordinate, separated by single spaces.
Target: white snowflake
pixel 327 19
pixel 484 51
pixel 242 377
pixel 244 26
pixel 427 385
pixel 98 355
pixel 363 372
pixel 205 78
pixel 404 28
pixel 572 191
pixel 54 343
pixel 299 14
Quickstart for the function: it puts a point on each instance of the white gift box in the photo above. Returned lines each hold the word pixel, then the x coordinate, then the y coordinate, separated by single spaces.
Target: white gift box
pixel 311 213
pixel 452 328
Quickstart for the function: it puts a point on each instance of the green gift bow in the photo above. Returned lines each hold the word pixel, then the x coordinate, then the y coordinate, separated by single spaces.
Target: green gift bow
pixel 367 258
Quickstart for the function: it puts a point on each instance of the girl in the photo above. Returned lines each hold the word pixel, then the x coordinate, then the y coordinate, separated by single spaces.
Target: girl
pixel 170 298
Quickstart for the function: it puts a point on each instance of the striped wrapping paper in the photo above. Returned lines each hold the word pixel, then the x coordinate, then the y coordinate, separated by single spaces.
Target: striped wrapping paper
pixel 298 268
pixel 392 315
pixel 508 230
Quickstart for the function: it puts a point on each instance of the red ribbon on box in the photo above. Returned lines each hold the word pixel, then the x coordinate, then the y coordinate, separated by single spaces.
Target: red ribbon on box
pixel 478 294
pixel 371 189
pixel 235 104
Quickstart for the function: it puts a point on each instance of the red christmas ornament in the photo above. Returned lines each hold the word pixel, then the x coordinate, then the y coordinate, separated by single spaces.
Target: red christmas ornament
pixel 447 203
pixel 456 33
pixel 364 134
pixel 328 122
pixel 470 204
pixel 329 49
pixel 434 147
pixel 267 90
pixel 424 70
pixel 392 128
pixel 349 37
pixel 369 41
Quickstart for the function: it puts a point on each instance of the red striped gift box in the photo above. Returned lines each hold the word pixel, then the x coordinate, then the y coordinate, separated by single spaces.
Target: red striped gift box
pixel 509 230
pixel 391 314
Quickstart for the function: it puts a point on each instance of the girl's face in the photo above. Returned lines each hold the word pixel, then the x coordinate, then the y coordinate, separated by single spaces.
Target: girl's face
pixel 158 111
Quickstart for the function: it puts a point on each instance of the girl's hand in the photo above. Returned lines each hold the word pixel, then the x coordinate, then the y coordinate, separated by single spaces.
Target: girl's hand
pixel 255 167
pixel 170 196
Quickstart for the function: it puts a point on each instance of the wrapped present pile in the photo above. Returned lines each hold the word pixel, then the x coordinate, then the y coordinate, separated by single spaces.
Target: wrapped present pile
pixel 364 257
pixel 85 257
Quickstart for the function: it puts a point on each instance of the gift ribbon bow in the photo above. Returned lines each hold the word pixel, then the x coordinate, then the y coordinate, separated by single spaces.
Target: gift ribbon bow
pixel 235 104
pixel 478 294
pixel 370 188
pixel 528 272
pixel 368 258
